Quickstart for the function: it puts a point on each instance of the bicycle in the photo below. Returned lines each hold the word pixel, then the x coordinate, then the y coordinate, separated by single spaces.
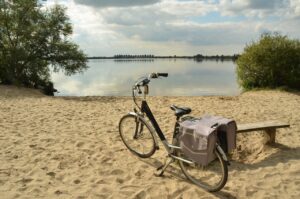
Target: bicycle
pixel 140 138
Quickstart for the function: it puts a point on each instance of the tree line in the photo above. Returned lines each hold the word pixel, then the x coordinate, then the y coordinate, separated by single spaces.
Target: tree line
pixel 198 57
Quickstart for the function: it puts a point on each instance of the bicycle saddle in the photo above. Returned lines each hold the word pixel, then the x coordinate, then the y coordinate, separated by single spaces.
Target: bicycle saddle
pixel 180 111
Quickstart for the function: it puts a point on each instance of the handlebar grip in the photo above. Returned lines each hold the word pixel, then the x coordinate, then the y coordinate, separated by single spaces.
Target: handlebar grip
pixel 162 74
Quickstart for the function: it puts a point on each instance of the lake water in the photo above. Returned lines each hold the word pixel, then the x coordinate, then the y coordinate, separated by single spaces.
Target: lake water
pixel 116 77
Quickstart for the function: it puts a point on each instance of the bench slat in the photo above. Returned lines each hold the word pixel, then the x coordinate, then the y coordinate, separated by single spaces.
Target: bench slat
pixel 261 126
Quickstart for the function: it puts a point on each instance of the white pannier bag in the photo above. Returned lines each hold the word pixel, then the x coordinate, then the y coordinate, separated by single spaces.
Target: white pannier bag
pixel 198 137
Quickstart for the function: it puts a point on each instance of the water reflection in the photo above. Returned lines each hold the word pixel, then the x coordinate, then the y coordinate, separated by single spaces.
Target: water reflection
pixel 186 78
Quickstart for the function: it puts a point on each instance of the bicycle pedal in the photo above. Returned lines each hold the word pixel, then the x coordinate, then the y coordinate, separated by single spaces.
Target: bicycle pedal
pixel 160 167
pixel 159 173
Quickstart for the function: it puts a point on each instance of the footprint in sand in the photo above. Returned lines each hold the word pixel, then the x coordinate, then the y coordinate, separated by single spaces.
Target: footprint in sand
pixel 138 173
pixel 119 180
pixel 140 195
pixel 80 144
pixel 101 182
pixel 117 172
pixel 26 180
pixel 52 174
pixel 62 165
pixel 58 192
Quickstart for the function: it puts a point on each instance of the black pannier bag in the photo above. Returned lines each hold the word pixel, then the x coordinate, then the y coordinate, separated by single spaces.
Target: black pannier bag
pixel 198 137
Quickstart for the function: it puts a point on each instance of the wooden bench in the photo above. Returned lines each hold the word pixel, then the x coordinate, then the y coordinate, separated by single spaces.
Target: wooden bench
pixel 268 126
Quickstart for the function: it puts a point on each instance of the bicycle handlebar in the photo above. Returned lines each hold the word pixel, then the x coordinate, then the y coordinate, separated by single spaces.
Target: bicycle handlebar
pixel 163 74
pixel 145 80
pixel 156 75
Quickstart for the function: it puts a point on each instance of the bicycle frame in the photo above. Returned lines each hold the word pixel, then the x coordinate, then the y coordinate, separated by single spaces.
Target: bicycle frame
pixel 146 109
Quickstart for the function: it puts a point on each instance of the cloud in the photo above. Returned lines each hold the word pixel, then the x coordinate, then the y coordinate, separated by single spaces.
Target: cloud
pixel 188 8
pixel 253 8
pixel 259 4
pixel 135 16
pixel 295 8
pixel 192 33
pixel 178 27
pixel 169 22
pixel 115 3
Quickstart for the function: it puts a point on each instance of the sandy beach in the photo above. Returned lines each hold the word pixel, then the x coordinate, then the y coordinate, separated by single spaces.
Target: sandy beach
pixel 69 147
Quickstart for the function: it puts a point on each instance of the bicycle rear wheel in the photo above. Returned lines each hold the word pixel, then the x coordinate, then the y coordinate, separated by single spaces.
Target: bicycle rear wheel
pixel 212 177
pixel 137 135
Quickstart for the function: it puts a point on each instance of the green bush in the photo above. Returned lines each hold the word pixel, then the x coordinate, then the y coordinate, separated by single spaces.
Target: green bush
pixel 273 61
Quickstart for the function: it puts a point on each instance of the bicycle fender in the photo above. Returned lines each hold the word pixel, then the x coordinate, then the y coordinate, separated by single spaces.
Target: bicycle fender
pixel 222 153
pixel 133 113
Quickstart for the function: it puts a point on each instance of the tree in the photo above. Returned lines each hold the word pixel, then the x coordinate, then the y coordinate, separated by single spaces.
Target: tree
pixel 273 61
pixel 35 40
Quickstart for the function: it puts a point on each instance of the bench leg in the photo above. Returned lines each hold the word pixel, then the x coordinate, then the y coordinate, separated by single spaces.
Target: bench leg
pixel 271 133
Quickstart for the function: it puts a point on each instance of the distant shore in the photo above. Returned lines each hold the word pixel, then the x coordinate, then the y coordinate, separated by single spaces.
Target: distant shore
pixel 198 57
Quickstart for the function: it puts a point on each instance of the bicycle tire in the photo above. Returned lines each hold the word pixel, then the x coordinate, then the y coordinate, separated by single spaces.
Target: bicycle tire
pixel 137 135
pixel 212 177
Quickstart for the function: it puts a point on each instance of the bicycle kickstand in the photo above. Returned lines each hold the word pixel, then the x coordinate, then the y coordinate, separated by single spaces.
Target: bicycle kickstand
pixel 160 170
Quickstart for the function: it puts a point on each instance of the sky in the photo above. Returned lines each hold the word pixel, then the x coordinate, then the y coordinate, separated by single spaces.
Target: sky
pixel 177 27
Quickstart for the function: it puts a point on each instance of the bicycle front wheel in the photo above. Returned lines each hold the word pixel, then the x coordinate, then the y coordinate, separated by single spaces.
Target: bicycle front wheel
pixel 137 135
pixel 212 177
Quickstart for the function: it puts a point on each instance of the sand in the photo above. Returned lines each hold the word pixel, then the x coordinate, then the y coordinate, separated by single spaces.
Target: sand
pixel 69 147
